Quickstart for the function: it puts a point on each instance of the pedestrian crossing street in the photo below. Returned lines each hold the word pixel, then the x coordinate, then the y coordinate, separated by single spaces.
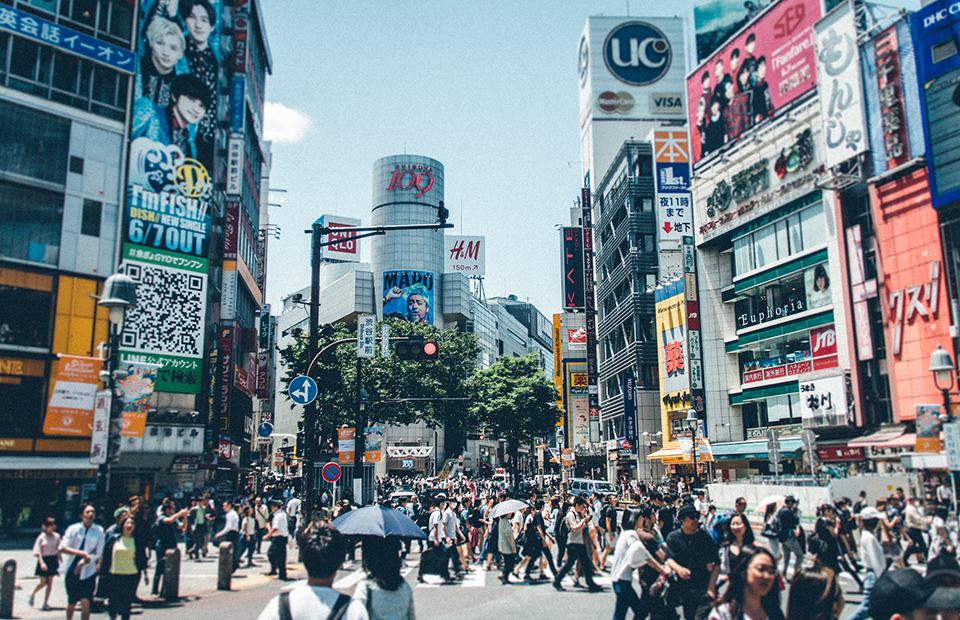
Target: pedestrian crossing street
pixel 479 578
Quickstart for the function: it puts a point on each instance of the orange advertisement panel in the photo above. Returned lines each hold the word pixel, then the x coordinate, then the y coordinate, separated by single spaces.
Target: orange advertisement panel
pixel 137 390
pixel 70 410
pixel 913 289
pixel 373 452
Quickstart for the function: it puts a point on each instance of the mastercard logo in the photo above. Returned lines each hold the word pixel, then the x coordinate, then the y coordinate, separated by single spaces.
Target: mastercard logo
pixel 610 101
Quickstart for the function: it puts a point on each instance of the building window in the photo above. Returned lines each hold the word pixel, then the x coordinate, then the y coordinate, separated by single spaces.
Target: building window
pixel 33 144
pixel 779 240
pixel 30 221
pixel 76 164
pixel 90 224
pixel 25 315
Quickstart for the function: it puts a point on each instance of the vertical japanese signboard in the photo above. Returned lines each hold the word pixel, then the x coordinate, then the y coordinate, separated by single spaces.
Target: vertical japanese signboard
pixel 590 310
pixel 674 206
pixel 841 97
pixel 672 352
pixel 628 387
pixel 572 267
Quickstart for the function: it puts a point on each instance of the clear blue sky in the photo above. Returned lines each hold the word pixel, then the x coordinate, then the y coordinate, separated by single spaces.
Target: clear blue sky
pixel 488 88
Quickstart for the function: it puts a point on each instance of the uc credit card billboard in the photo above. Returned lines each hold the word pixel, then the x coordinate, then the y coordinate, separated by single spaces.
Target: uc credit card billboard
pixel 761 71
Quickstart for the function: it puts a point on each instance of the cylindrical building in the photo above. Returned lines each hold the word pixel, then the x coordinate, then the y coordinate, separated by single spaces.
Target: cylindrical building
pixel 407 265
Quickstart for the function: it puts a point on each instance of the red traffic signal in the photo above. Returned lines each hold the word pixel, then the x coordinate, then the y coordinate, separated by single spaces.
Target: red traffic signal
pixel 416 348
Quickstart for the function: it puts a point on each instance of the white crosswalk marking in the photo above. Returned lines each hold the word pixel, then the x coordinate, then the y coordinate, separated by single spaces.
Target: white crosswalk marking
pixel 476 579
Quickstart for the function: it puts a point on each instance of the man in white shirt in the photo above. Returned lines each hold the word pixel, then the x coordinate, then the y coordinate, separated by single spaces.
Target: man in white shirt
pixel 450 534
pixel 871 557
pixel 278 534
pixel 323 549
pixel 82 546
pixel 293 512
pixel 231 531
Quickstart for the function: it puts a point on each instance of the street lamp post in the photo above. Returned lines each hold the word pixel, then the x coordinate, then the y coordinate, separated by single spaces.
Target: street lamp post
pixel 693 423
pixel 649 444
pixel 119 295
pixel 941 365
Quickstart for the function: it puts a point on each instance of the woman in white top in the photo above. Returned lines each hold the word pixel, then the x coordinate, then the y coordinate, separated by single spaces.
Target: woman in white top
pixel 630 554
pixel 871 557
pixel 751 595
pixel 47 550
pixel 384 593
pixel 248 534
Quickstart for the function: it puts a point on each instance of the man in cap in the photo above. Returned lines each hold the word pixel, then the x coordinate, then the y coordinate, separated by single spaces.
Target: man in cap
pixel 902 594
pixel 278 534
pixel 692 553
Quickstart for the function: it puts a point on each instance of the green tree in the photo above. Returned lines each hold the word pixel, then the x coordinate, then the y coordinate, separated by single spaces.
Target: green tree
pixel 515 400
pixel 399 392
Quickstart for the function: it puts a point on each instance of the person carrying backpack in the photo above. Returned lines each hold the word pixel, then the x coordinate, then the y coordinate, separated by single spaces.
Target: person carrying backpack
pixel 322 548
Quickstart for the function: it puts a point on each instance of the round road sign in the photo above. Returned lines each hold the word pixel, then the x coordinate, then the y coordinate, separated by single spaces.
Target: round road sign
pixel 265 429
pixel 303 390
pixel 330 472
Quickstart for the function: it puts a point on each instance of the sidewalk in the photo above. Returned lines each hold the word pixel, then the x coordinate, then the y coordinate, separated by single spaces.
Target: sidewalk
pixel 197 578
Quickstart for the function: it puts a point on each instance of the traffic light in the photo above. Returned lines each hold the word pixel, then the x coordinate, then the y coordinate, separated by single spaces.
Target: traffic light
pixel 442 213
pixel 415 348
pixel 300 443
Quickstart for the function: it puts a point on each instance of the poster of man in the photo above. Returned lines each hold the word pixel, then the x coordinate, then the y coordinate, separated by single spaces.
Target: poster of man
pixel 408 295
pixel 175 96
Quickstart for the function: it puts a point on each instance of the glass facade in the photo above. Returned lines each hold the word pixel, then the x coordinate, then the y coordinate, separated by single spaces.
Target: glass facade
pixel 779 240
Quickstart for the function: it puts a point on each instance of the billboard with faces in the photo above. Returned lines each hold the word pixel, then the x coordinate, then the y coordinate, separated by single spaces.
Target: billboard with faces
pixel 748 81
pixel 173 125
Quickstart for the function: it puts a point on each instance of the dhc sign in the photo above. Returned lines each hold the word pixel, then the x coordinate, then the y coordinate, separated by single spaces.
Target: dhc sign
pixel 636 53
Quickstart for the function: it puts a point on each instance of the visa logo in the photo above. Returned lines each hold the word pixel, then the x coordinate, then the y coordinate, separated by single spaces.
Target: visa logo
pixel 668 102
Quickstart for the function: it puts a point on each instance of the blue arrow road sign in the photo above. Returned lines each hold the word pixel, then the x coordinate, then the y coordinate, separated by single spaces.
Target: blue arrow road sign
pixel 265 429
pixel 303 390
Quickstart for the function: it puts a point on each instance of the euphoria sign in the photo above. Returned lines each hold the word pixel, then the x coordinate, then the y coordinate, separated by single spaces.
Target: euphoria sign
pixel 636 53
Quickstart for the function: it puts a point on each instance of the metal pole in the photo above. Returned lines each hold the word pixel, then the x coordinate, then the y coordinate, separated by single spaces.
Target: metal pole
pixel 359 443
pixel 310 411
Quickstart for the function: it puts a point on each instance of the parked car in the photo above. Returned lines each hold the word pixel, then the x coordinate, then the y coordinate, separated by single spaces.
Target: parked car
pixel 588 486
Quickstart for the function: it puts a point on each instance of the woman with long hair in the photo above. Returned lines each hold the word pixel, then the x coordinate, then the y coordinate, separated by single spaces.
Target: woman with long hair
pixel 815 594
pixel 739 534
pixel 384 592
pixel 751 594
pixel 939 535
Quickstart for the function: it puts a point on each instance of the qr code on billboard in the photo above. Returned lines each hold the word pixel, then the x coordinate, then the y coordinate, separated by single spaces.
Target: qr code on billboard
pixel 169 315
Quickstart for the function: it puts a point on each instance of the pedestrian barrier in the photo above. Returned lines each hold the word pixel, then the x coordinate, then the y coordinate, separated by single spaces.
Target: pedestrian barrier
pixel 171 576
pixel 225 566
pixel 8 582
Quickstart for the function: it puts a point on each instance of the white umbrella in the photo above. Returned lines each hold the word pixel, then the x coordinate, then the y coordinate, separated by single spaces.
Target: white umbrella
pixel 508 507
pixel 766 501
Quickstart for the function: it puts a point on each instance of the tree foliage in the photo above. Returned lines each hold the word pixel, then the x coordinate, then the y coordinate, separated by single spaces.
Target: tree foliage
pixel 390 382
pixel 515 400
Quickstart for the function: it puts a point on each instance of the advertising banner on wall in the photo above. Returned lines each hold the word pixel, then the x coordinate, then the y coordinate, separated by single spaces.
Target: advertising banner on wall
pixel 166 226
pixel 674 205
pixel 754 77
pixel 171 299
pixel 409 296
pixel 557 364
pixel 841 99
pixel 716 21
pixel 928 429
pixel 70 409
pixel 823 402
pixel 578 402
pixel 466 255
pixel 137 390
pixel 631 69
pixel 935 34
pixel 347 250
pixel 628 389
pixel 892 97
pixel 671 310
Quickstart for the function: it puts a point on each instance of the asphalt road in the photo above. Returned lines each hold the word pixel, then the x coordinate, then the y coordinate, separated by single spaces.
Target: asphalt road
pixel 480 595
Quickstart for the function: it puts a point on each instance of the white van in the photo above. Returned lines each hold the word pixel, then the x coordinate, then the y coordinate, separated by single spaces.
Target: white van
pixel 588 486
